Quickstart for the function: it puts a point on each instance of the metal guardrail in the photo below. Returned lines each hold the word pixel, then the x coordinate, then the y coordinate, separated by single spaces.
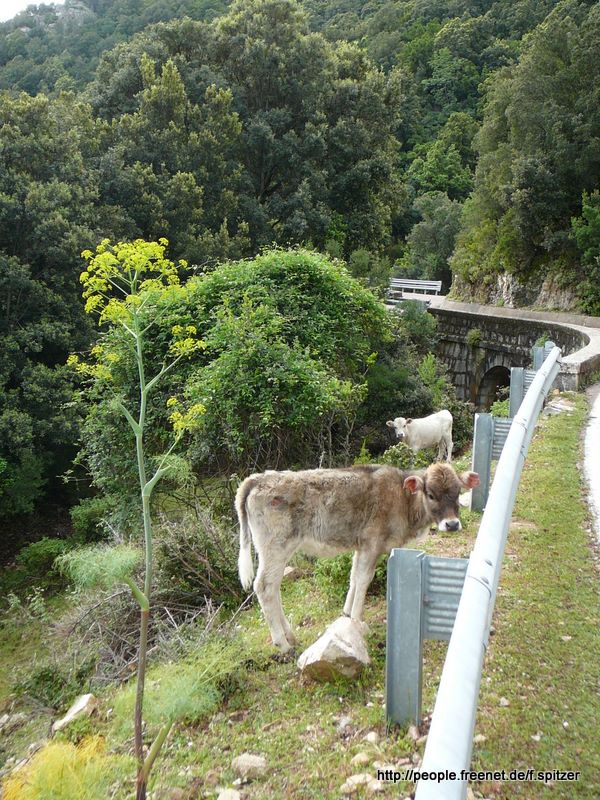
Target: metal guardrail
pixel 450 738
pixel 423 593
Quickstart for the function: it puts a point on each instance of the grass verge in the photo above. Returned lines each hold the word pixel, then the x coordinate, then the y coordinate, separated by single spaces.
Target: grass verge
pixel 542 659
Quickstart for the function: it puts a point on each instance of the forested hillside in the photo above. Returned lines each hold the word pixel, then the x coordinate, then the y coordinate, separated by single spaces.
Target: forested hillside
pixel 408 136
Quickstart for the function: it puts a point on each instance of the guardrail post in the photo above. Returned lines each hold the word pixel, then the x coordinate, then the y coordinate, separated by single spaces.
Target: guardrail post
pixel 404 645
pixel 482 459
pixel 517 390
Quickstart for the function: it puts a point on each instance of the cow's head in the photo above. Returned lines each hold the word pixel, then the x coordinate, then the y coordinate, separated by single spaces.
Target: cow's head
pixel 399 425
pixel 441 486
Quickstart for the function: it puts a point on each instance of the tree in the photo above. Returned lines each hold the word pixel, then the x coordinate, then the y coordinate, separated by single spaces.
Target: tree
pixel 47 212
pixel 586 232
pixel 538 153
pixel 430 243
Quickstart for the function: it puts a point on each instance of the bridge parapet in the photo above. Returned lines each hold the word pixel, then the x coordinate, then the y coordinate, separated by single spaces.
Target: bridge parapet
pixel 475 340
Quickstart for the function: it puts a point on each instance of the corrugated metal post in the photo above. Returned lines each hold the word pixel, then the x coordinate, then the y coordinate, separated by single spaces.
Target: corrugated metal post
pixel 517 390
pixel 537 357
pixel 404 646
pixel 482 459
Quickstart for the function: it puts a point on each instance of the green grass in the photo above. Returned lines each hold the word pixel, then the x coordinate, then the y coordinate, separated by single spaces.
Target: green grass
pixel 548 590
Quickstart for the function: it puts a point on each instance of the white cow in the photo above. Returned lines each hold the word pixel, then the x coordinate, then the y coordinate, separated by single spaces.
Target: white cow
pixel 432 431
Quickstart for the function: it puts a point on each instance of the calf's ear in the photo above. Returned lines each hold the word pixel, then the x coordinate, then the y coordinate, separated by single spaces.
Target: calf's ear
pixel 469 480
pixel 414 484
pixel 390 423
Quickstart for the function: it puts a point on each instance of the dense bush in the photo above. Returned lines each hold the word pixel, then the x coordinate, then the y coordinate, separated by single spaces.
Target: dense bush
pixel 299 359
pixel 196 560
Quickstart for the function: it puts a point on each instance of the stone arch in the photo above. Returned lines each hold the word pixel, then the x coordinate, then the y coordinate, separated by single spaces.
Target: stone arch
pixel 494 379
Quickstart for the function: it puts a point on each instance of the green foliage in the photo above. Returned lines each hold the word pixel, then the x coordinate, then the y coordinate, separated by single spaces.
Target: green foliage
pixel 88 516
pixel 54 683
pixel 188 690
pixel 402 457
pixel 473 337
pixel 100 566
pixel 586 232
pixel 290 341
pixel 38 559
pixel 429 372
pixel 419 326
pixel 537 154
pixel 430 242
pixel 332 576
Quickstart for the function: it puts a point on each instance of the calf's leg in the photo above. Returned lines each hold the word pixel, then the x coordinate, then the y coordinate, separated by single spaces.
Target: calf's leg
pixel 366 561
pixel 267 587
pixel 352 587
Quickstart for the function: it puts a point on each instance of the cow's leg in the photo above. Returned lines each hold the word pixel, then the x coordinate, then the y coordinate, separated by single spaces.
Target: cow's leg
pixel 267 586
pixel 363 575
pixel 449 446
pixel 352 587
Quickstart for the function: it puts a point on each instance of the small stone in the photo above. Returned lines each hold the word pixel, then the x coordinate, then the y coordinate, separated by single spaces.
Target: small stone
pixel 291 573
pixel 504 702
pixel 421 740
pixel 416 759
pixel 565 724
pixel 343 723
pixel 35 746
pixel 10 722
pixel 84 706
pixel 360 759
pixel 249 766
pixel 353 783
pixel 229 794
pixel 566 638
pixel 372 737
pixel 479 739
pixel 413 732
pixel 374 786
pixel 177 794
pixel 537 736
pixel 470 793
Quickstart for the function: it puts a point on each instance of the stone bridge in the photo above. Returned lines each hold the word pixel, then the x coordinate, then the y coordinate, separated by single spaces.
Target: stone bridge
pixel 479 344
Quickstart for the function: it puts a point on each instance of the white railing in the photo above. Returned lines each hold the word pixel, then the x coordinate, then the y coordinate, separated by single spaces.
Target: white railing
pixel 449 743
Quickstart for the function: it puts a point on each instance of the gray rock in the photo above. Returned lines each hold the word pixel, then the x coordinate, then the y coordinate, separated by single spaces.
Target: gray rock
pixel 249 766
pixel 229 794
pixel 340 651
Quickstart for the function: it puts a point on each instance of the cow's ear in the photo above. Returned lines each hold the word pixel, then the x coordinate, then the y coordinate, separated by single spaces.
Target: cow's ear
pixel 414 484
pixel 469 480
pixel 408 421
pixel 390 423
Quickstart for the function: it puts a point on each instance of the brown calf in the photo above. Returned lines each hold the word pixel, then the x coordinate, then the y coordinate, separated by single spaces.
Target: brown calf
pixel 323 512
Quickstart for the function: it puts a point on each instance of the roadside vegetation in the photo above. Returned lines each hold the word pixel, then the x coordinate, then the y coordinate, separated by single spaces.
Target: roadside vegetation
pixel 540 661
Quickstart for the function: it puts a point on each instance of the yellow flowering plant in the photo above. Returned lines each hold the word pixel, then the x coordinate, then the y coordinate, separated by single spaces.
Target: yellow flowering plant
pixel 125 285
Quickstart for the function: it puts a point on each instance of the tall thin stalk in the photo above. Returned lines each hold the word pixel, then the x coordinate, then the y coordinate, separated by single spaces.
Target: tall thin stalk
pixel 123 270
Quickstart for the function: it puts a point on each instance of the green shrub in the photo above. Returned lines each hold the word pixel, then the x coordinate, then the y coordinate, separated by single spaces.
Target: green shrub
pixel 473 337
pixel 88 517
pixel 55 683
pixel 196 557
pixel 37 560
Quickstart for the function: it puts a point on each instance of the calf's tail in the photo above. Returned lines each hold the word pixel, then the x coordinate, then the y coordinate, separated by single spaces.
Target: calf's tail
pixel 245 563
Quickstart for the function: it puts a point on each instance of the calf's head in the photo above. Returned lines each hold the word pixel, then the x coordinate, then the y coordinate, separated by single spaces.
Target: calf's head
pixel 440 486
pixel 399 426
